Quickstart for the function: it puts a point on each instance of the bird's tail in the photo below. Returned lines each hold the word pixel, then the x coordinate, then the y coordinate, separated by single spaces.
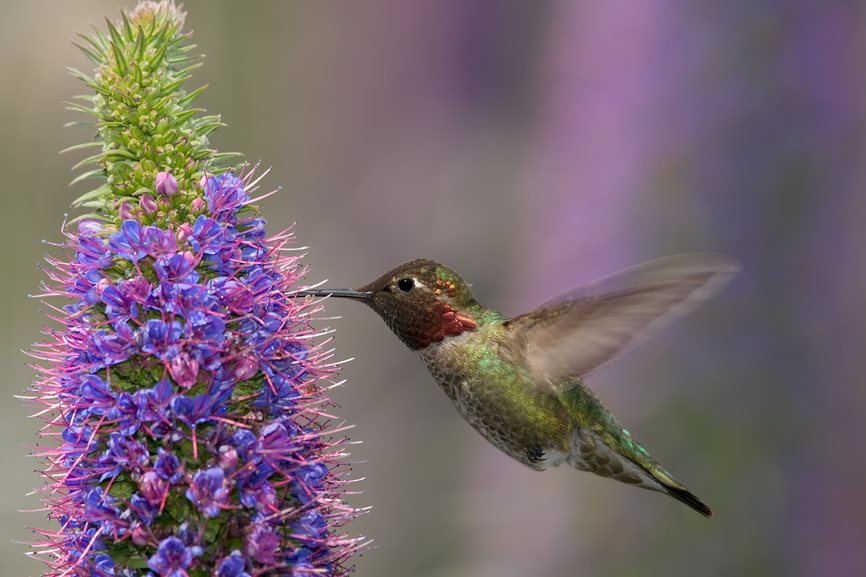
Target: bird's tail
pixel 679 492
pixel 606 448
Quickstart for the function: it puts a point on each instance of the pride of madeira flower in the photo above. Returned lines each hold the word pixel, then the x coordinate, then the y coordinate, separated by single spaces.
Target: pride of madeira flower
pixel 185 386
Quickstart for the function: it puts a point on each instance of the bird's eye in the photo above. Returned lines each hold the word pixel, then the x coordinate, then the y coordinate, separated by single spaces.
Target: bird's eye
pixel 406 284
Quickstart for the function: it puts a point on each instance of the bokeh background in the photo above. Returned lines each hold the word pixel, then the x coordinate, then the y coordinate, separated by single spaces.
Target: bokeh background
pixel 532 146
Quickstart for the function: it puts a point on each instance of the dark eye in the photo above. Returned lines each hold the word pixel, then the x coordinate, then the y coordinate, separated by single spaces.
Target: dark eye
pixel 405 284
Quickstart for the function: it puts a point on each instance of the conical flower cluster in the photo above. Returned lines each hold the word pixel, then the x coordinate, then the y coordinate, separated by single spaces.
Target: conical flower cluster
pixel 185 387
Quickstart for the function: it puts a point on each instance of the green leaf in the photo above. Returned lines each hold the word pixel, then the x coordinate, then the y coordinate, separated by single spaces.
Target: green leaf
pixel 119 154
pixel 173 86
pixel 95 173
pixel 93 56
pixel 157 58
pixel 187 114
pixel 186 100
pixel 190 68
pixel 119 59
pixel 97 193
pixel 115 35
pixel 122 488
pixel 140 44
pixel 206 124
pixel 213 529
pixel 81 76
pixel 127 26
pixel 96 47
pixel 137 563
pixel 89 160
pixel 75 107
pixel 90 216
pixel 221 157
pixel 82 146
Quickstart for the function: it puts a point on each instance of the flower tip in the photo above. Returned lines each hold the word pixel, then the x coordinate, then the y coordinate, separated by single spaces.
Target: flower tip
pixel 166 184
pixel 149 11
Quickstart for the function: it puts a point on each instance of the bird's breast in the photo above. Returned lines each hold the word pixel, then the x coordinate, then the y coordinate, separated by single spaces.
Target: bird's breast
pixel 498 399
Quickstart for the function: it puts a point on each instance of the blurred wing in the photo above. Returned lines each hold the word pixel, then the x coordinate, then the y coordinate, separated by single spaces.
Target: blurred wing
pixel 579 331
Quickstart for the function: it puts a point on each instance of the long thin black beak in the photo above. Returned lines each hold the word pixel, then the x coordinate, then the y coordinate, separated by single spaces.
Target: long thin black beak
pixel 336 293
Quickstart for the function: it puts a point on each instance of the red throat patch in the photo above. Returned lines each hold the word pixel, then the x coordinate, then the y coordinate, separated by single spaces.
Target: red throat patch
pixel 446 322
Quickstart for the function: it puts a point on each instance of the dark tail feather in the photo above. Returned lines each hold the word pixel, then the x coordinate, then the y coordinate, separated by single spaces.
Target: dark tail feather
pixel 684 495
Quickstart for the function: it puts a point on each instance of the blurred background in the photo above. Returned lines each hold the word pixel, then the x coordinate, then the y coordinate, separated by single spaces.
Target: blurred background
pixel 532 146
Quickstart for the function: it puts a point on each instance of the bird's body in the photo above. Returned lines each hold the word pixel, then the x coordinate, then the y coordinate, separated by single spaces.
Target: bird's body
pixel 537 422
pixel 518 381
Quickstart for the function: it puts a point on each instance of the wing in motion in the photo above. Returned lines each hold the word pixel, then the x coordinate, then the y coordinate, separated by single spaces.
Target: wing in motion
pixel 581 330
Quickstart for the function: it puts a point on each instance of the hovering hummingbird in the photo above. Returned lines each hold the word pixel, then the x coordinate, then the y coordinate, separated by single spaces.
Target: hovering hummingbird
pixel 519 381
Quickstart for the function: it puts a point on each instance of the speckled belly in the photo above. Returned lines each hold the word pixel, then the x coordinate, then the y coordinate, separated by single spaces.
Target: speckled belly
pixel 506 424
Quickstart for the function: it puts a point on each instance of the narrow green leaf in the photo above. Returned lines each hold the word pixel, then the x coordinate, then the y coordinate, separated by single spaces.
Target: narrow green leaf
pixel 173 86
pixel 190 68
pixel 118 154
pixel 186 100
pixel 140 44
pixel 76 73
pixel 160 36
pixel 86 123
pixel 175 60
pixel 115 35
pixel 101 38
pixel 127 26
pixel 81 146
pixel 187 114
pixel 75 107
pixel 119 59
pixel 220 157
pixel 99 192
pixel 93 56
pixel 97 204
pixel 97 48
pixel 91 216
pixel 88 81
pixel 205 128
pixel 157 58
pixel 89 160
pixel 96 173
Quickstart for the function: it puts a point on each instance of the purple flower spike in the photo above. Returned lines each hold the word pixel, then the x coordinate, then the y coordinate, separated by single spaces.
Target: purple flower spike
pixel 183 384
pixel 166 184
pixel 167 322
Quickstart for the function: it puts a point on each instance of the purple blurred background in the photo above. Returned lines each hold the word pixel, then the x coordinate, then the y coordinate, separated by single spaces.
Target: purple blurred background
pixel 534 146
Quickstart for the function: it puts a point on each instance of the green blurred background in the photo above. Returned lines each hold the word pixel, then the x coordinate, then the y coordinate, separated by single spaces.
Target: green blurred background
pixel 532 146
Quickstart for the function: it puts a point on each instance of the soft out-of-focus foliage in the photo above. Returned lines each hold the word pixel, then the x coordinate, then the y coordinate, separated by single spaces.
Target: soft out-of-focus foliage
pixel 533 146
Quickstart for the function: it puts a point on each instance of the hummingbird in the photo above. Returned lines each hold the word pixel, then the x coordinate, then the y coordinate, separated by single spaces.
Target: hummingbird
pixel 520 381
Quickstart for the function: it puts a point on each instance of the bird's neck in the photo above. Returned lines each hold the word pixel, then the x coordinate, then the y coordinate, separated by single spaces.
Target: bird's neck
pixel 444 324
